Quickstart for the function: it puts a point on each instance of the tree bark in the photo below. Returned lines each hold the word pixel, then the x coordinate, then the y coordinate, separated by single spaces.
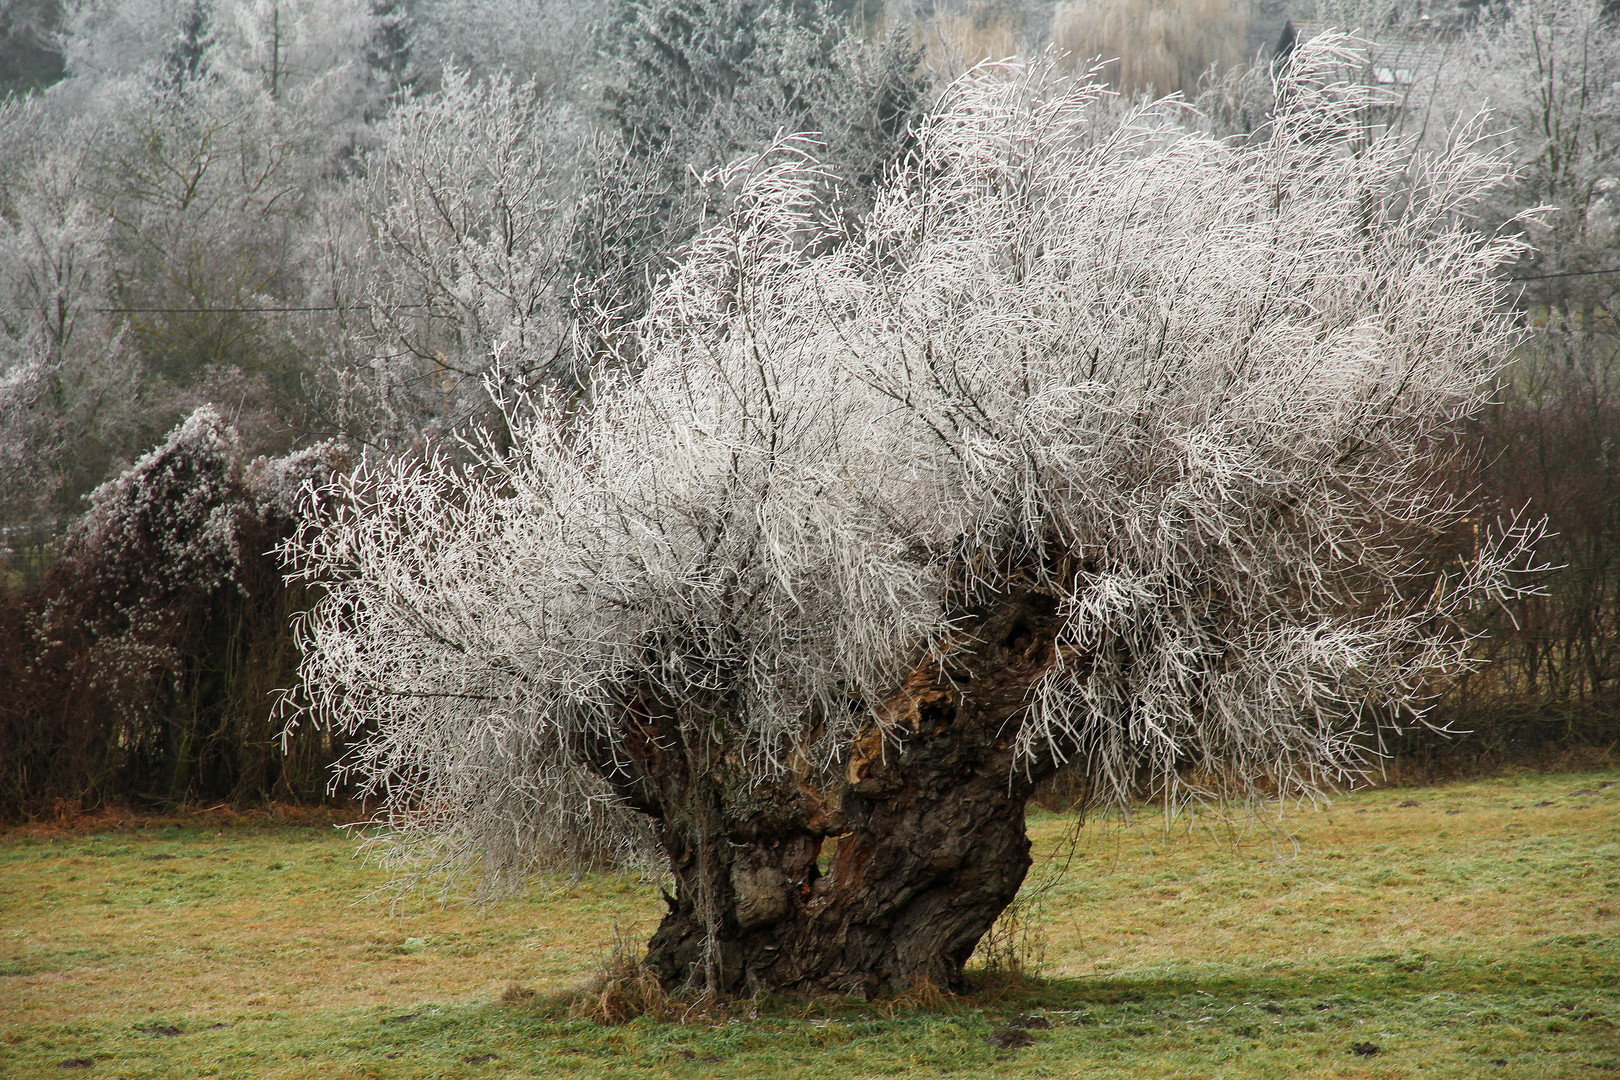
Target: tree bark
pixel 931 845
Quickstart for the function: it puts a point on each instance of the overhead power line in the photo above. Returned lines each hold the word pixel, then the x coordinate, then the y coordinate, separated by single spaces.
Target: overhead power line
pixel 1566 273
pixel 239 310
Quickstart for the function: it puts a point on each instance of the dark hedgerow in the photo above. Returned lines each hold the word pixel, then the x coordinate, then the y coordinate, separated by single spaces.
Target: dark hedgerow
pixel 142 667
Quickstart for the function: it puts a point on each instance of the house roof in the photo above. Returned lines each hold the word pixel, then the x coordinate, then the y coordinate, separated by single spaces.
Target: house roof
pixel 1394 56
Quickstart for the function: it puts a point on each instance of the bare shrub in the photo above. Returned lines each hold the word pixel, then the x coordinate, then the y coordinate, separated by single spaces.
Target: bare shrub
pixel 923 995
pixel 516 993
pixel 1552 684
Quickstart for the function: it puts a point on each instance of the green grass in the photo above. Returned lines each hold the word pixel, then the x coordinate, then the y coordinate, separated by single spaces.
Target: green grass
pixel 1463 930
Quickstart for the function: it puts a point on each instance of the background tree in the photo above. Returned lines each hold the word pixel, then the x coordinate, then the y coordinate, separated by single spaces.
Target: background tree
pixel 451 252
pixel 702 81
pixel 153 206
pixel 70 401
pixel 157 201
pixel 555 43
pixel 697 83
pixel 1104 445
pixel 1548 70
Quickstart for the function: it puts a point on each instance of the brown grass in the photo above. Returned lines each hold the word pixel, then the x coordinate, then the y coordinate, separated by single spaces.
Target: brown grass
pixel 923 994
pixel 953 43
pixel 1154 47
pixel 1432 869
pixel 66 821
pixel 624 989
pixel 517 994
pixel 267 919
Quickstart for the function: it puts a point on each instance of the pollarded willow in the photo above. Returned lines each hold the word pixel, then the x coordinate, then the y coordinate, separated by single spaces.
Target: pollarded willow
pixel 1105 443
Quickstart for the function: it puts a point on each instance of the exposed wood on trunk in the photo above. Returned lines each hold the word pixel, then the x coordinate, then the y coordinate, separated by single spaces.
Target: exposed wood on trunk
pixel 930 826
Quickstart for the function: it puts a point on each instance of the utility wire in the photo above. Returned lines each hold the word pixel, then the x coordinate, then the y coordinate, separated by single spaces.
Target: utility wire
pixel 236 310
pixel 1567 273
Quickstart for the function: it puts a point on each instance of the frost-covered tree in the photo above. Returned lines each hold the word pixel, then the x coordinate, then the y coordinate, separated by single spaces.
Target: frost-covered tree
pixel 1550 71
pixel 144 662
pixel 693 85
pixel 706 80
pixel 1104 445
pixel 453 249
pixel 312 56
pixel 69 384
pixel 204 195
pixel 552 42
pixel 195 135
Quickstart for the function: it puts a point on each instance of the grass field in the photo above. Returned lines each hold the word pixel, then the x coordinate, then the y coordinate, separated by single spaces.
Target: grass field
pixel 1470 930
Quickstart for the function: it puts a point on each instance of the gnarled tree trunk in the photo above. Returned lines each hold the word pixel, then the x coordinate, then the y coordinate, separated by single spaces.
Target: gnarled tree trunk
pixel 930 833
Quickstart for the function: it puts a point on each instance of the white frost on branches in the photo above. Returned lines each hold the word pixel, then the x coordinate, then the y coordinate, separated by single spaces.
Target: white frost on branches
pixel 177 505
pixel 467 219
pixel 68 381
pixel 1188 387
